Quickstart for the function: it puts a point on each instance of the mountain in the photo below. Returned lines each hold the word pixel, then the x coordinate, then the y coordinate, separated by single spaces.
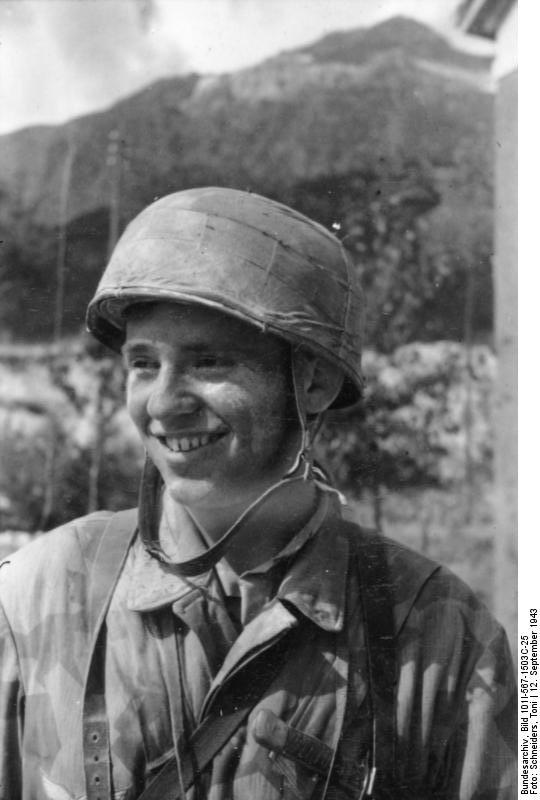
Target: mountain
pixel 362 45
pixel 387 102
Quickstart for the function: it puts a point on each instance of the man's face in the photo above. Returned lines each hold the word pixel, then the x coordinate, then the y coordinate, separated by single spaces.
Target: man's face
pixel 209 395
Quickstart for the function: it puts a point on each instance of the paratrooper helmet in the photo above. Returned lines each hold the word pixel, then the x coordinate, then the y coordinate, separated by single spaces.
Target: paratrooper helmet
pixel 247 256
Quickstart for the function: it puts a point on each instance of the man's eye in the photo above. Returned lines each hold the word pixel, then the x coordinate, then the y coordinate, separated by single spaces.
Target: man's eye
pixel 141 363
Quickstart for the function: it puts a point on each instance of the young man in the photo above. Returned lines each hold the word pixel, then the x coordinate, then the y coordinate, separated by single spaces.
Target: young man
pixel 235 637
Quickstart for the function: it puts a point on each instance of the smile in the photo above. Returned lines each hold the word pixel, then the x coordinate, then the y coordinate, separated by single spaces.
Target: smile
pixel 185 444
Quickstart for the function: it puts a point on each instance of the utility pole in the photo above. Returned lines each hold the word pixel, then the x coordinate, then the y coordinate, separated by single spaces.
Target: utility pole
pixel 50 457
pixel 62 239
pixel 114 164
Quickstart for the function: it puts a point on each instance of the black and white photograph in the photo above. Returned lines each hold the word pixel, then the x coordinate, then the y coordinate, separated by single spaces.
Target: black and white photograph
pixel 259 401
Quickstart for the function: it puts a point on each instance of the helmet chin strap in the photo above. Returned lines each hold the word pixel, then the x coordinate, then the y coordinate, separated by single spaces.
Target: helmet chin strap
pixel 304 456
pixel 302 469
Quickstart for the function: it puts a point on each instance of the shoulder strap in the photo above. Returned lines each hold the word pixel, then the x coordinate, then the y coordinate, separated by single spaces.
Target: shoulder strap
pixel 377 598
pixel 105 570
pixel 111 552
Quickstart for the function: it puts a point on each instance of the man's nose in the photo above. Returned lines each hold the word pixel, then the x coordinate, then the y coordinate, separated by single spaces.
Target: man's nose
pixel 172 395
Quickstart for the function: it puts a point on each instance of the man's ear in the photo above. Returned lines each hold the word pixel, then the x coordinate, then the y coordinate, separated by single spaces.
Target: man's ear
pixel 319 380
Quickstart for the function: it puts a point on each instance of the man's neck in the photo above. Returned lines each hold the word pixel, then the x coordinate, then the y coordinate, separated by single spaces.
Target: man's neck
pixel 262 534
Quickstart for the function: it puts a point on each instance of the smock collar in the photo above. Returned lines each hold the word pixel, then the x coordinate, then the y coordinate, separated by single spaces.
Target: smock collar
pixel 314 564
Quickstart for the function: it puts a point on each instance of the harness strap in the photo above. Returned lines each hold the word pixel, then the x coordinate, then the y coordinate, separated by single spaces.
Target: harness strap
pixel 106 567
pixel 96 745
pixel 376 594
pixel 219 727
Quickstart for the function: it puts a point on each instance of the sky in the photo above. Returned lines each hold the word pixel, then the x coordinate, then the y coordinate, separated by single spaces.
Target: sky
pixel 64 58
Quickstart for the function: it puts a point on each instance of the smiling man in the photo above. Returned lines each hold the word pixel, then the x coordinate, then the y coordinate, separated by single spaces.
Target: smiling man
pixel 199 385
pixel 234 636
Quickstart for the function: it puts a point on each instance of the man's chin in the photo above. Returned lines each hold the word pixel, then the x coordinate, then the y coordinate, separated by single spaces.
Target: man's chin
pixel 191 493
pixel 208 500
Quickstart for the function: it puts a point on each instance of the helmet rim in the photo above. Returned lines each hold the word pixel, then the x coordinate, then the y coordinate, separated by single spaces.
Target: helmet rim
pixel 105 321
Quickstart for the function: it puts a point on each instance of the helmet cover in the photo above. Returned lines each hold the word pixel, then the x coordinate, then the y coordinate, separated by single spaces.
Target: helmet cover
pixel 247 256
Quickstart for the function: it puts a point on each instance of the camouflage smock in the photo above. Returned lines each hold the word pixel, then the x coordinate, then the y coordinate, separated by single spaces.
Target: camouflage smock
pixel 169 637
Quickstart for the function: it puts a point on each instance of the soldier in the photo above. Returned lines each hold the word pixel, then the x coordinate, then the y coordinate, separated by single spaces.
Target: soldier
pixel 234 636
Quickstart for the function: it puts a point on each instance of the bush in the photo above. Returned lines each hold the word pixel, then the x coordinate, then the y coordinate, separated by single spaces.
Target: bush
pixel 67 448
pixel 425 420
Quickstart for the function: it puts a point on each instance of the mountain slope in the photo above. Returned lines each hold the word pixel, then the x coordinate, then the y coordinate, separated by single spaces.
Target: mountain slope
pixel 386 102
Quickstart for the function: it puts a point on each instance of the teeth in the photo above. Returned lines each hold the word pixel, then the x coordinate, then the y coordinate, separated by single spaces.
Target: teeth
pixel 187 443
